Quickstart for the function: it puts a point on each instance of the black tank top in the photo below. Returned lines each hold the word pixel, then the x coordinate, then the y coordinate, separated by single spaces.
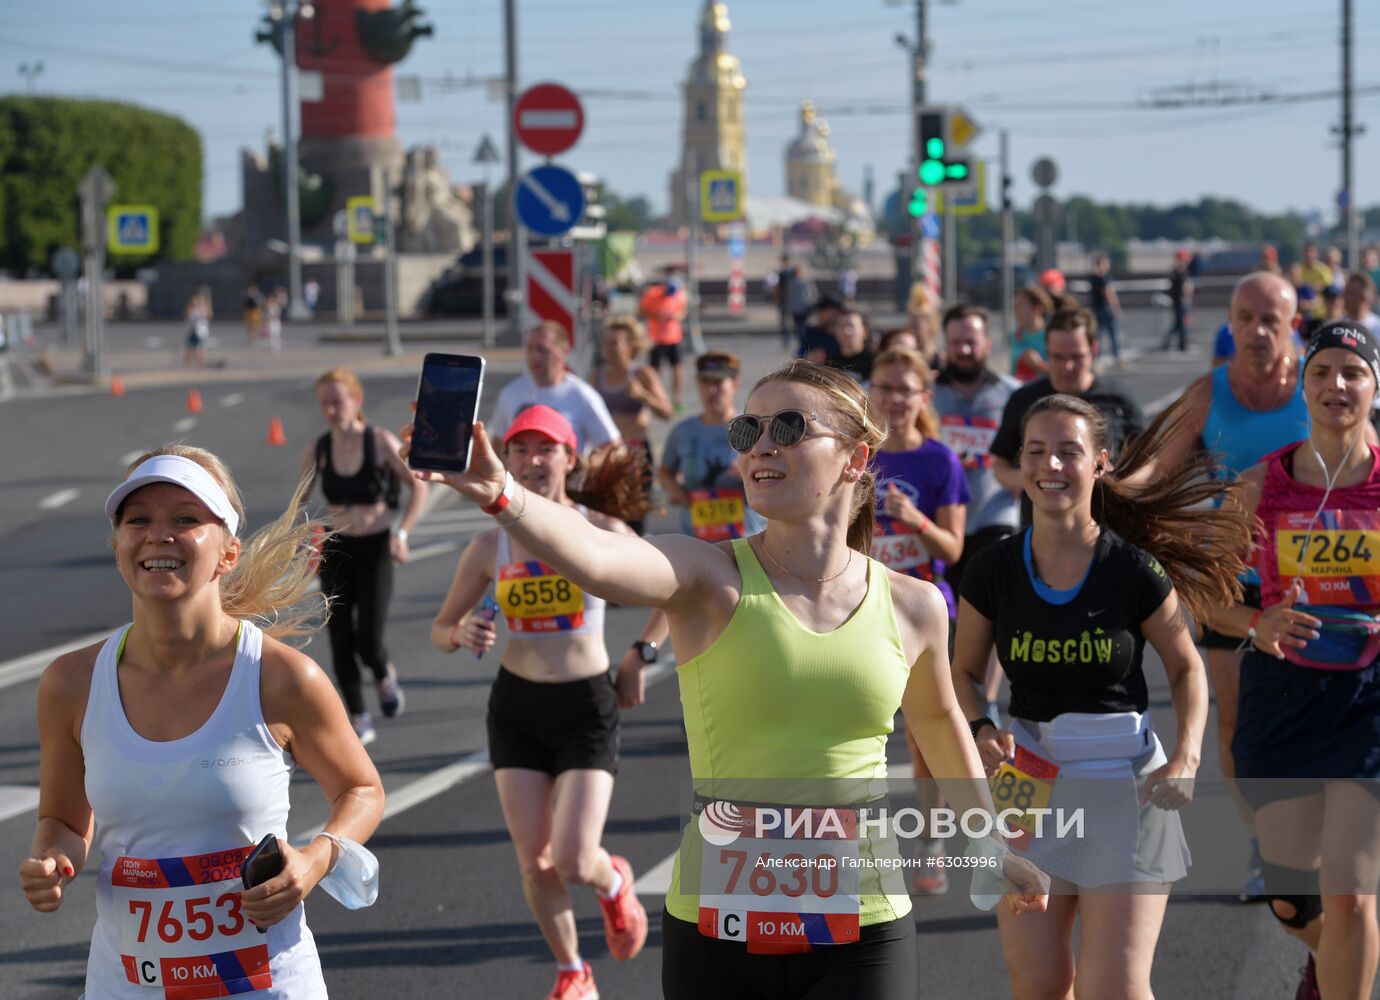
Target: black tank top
pixel 373 483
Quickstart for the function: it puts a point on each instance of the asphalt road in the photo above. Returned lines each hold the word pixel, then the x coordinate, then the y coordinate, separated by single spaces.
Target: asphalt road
pixel 451 920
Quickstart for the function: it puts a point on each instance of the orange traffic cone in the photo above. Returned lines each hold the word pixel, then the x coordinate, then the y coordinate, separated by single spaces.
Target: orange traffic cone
pixel 117 386
pixel 193 401
pixel 276 437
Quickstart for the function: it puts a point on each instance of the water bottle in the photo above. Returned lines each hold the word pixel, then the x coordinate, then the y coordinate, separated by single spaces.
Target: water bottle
pixel 488 610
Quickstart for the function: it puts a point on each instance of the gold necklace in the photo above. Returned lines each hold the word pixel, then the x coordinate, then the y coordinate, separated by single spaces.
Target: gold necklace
pixel 820 579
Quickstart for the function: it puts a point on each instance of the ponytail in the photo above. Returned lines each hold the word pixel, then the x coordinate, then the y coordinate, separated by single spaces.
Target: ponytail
pixel 863 522
pixel 611 481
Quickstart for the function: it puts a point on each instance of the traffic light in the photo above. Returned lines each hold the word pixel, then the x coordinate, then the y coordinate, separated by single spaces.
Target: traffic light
pixel 1005 192
pixel 919 203
pixel 937 166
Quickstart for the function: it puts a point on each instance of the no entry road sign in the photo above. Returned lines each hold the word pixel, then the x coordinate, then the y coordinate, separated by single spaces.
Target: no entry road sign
pixel 548 119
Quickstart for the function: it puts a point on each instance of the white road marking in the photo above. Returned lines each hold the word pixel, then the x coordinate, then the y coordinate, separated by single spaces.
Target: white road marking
pixel 1159 405
pixel 153 343
pixel 16 800
pixel 443 779
pixel 184 425
pixel 234 399
pixel 26 668
pixel 129 458
pixel 59 499
pixel 656 881
pixel 427 551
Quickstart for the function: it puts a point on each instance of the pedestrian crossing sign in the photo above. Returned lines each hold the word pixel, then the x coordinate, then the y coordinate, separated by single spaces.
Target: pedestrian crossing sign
pixel 131 229
pixel 721 195
pixel 362 219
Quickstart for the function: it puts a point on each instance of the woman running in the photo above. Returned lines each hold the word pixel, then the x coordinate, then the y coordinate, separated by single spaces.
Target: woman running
pixel 921 514
pixel 1309 711
pixel 1032 306
pixel 1069 604
pixel 359 470
pixel 633 392
pixel 553 711
pixel 133 729
pixel 794 658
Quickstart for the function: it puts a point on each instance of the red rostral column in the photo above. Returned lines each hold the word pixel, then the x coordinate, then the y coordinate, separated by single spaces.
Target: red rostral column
pixel 358 92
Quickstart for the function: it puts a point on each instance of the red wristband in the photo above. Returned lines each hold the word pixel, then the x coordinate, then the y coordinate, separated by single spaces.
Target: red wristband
pixel 924 523
pixel 1250 629
pixel 502 500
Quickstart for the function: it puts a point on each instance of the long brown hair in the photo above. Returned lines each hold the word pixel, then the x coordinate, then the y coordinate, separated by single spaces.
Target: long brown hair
pixel 927 421
pixel 1202 548
pixel 858 423
pixel 610 481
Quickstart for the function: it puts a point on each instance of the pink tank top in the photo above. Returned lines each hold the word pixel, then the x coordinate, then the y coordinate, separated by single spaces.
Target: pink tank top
pixel 1336 554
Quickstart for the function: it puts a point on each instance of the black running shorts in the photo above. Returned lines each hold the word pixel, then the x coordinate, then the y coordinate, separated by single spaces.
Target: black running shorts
pixel 568 726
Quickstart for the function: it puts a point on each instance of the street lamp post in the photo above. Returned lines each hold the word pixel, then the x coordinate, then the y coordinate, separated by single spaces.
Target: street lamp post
pixel 31 72
pixel 283 16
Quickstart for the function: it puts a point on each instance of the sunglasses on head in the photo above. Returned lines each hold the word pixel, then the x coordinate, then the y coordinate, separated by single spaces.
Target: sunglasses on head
pixel 786 427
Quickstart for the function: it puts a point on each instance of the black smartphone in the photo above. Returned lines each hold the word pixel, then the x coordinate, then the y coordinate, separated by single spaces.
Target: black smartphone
pixel 264 862
pixel 447 403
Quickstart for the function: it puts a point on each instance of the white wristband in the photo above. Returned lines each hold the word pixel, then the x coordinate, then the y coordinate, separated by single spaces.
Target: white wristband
pixel 402 534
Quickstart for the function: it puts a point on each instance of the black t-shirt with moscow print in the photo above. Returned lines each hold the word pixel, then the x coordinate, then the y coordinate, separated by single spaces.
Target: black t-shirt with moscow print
pixel 1080 656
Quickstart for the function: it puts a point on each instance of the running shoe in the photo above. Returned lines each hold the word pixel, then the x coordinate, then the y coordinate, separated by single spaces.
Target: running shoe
pixel 392 701
pixel 930 882
pixel 1308 985
pixel 1254 889
pixel 625 921
pixel 571 985
pixel 364 728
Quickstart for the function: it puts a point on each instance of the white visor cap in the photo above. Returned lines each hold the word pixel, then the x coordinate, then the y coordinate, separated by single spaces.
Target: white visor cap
pixel 180 472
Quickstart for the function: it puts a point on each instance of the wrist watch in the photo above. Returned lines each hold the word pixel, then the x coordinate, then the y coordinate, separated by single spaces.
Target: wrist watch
pixel 646 650
pixel 977 725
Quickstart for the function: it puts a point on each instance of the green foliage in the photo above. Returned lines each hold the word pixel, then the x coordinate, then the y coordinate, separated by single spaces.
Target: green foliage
pixel 47 145
pixel 1107 227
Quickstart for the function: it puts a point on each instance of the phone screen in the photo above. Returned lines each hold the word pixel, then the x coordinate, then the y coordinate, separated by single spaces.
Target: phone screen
pixel 447 403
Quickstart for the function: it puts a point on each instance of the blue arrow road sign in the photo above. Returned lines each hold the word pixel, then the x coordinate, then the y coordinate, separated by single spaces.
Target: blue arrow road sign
pixel 549 200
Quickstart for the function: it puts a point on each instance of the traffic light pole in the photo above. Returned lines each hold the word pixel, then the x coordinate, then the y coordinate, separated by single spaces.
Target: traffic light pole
pixel 1350 217
pixel 296 309
pixel 517 242
pixel 1008 276
pixel 917 100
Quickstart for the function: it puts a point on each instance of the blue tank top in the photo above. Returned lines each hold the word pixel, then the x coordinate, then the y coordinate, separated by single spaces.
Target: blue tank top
pixel 1243 437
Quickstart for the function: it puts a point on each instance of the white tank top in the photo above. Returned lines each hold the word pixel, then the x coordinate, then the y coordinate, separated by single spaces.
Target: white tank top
pixel 173 823
pixel 537 601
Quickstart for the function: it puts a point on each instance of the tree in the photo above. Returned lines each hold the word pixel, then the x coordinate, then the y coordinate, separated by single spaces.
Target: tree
pixel 48 144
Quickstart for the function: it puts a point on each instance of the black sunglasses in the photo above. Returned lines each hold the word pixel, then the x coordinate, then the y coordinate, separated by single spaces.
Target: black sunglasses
pixel 787 428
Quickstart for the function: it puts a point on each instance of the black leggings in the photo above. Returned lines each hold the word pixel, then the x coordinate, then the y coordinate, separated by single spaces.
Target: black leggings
pixel 357 576
pixel 881 966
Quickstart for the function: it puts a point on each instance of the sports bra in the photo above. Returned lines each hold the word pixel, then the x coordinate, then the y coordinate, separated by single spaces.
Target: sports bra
pixel 373 483
pixel 619 400
pixel 538 602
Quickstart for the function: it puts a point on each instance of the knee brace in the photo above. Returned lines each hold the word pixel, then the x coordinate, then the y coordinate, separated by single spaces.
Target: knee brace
pixel 1297 887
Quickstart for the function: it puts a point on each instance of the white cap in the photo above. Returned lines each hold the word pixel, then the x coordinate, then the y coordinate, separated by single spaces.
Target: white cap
pixel 180 472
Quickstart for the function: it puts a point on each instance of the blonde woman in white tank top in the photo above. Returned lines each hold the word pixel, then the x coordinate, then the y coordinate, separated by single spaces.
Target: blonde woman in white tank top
pixel 169 748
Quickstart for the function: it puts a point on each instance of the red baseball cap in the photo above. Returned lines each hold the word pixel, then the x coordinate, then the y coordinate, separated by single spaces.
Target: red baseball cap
pixel 1053 280
pixel 544 421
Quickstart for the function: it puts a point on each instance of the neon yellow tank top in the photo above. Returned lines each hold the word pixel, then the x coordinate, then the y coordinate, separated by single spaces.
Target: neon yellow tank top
pixel 771 699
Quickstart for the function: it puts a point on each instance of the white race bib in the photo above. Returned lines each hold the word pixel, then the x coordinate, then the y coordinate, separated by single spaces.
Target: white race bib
pixel 181 927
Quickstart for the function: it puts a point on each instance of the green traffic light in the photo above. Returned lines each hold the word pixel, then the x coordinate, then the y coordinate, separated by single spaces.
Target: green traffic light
pixel 957 171
pixel 932 173
pixel 919 204
pixel 934 149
